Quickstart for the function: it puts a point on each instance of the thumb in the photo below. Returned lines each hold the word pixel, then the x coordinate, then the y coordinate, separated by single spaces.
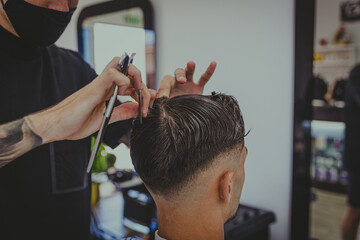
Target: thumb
pixel 124 111
pixel 113 63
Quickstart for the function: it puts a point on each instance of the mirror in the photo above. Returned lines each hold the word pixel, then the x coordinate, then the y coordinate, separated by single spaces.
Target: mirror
pixel 335 55
pixel 111 28
pixel 106 30
pixel 326 43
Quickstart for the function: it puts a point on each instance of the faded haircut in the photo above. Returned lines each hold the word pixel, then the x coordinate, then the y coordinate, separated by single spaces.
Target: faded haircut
pixel 182 136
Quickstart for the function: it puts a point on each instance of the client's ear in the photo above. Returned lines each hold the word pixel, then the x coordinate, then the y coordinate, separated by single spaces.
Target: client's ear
pixel 225 187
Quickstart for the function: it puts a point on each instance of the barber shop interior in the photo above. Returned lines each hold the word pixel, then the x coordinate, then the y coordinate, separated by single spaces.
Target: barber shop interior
pixel 180 120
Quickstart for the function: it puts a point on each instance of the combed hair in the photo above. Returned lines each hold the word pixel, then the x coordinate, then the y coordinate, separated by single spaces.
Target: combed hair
pixel 181 136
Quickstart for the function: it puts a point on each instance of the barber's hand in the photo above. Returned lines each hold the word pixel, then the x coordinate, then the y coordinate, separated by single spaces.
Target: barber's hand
pixel 81 113
pixel 183 81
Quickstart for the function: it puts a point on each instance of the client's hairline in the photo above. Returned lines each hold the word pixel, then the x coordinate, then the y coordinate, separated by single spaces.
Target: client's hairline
pixel 214 163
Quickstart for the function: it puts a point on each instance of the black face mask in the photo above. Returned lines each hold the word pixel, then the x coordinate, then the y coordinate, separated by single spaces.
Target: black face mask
pixel 36 25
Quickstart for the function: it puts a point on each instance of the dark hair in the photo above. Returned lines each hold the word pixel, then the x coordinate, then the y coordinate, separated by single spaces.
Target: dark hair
pixel 182 135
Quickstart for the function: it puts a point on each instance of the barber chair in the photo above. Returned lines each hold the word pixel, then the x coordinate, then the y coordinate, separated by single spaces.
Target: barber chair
pixel 249 223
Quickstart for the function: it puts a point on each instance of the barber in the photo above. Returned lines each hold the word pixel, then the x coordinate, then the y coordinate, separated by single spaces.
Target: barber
pixel 49 107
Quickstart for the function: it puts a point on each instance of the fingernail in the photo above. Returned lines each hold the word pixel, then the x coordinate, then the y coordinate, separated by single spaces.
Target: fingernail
pixel 182 79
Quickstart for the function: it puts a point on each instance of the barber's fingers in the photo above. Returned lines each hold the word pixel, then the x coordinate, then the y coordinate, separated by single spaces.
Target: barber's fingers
pixel 112 76
pixel 135 75
pixel 103 86
pixel 205 77
pixel 145 100
pixel 185 75
pixel 124 111
pixel 189 70
pixel 113 73
pixel 153 95
pixel 180 75
pixel 148 97
pixel 133 80
pixel 128 83
pixel 113 63
pixel 165 86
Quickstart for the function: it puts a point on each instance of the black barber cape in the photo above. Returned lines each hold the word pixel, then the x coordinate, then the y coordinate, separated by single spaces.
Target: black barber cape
pixel 352 120
pixel 44 194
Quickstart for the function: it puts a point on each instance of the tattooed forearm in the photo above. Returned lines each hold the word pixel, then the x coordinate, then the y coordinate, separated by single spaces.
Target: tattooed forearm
pixel 16 138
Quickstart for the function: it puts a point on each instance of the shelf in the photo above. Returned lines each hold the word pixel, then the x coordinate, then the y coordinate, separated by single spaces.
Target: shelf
pixel 333 187
pixel 335 48
pixel 334 59
pixel 334 64
pixel 328 113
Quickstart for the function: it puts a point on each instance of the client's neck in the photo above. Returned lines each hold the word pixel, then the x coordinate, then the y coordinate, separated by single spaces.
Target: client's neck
pixel 199 220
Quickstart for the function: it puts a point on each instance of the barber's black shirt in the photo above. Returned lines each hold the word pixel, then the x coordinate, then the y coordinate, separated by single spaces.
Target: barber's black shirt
pixel 352 120
pixel 44 194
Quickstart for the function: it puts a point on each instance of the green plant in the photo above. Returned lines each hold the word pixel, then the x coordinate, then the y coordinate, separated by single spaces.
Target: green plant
pixel 103 159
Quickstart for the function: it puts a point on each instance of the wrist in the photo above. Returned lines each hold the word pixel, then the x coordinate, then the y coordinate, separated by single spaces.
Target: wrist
pixel 41 124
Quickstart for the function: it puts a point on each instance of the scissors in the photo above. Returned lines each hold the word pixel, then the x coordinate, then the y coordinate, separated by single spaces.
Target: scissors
pixel 123 65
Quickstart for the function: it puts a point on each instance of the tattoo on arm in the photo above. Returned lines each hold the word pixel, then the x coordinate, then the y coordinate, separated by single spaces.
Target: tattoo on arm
pixel 16 138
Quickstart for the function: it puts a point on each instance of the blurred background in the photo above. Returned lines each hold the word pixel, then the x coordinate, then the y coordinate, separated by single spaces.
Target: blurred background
pixel 255 44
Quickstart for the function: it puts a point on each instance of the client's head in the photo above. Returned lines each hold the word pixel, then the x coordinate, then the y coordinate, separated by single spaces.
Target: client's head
pixel 190 153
